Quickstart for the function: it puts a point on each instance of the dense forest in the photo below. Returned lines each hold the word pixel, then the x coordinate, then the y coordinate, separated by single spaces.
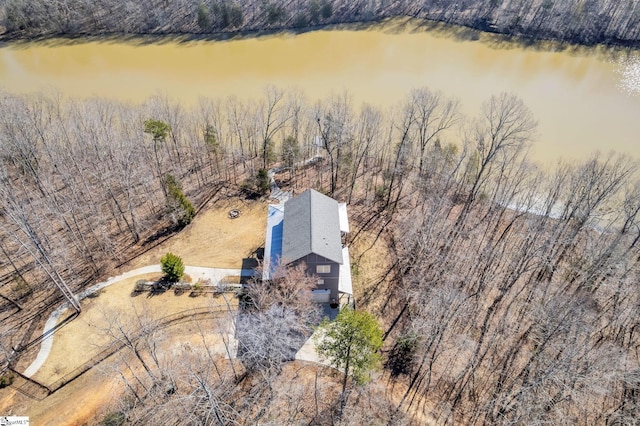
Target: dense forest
pixel 513 295
pixel 577 21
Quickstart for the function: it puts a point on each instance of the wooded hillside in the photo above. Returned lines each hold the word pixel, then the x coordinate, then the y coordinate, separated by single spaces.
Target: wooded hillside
pixel 577 21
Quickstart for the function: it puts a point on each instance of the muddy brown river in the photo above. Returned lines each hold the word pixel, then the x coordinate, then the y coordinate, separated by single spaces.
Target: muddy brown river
pixel 584 99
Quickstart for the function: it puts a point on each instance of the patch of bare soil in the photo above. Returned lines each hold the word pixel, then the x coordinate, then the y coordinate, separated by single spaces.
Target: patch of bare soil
pixel 74 404
pixel 77 402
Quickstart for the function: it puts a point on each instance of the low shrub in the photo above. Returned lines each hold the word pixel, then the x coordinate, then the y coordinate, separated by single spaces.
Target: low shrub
pixel 115 418
pixel 141 285
pixel 6 380
pixel 197 289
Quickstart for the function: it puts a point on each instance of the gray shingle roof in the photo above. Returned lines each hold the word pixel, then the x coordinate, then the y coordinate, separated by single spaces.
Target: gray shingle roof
pixel 311 225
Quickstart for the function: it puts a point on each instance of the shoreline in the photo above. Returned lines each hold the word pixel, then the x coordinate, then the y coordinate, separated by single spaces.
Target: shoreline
pixel 411 23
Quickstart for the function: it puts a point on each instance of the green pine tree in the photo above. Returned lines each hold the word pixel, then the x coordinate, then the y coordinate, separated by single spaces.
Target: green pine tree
pixel 172 266
pixel 351 343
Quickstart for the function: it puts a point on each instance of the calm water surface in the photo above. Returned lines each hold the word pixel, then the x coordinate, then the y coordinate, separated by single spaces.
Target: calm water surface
pixel 584 101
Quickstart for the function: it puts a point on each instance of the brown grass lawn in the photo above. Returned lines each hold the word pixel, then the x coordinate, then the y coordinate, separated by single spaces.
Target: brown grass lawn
pixel 212 240
pixel 86 400
pixel 84 337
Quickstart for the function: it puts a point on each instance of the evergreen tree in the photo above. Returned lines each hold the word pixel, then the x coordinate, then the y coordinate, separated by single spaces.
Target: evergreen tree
pixel 178 202
pixel 172 266
pixel 351 343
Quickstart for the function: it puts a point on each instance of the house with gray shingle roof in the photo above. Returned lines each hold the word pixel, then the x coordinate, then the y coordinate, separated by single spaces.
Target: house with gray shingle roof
pixel 309 229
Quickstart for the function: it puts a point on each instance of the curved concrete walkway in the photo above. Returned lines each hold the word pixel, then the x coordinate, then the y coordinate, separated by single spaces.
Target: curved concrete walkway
pixel 196 272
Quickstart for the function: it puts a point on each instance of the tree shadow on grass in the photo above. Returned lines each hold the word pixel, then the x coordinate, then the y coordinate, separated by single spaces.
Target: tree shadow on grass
pixel 163 233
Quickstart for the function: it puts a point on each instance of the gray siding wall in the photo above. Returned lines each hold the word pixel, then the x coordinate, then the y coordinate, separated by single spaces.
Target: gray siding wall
pixel 330 279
